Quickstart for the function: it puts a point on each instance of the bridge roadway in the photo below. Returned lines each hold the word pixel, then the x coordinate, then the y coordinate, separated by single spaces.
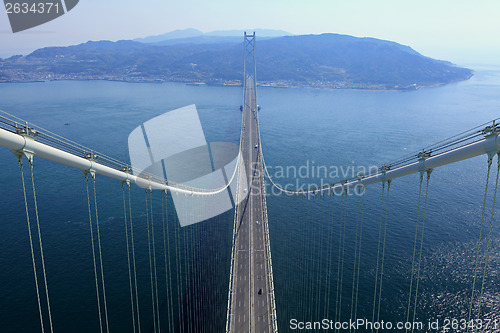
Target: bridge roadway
pixel 252 294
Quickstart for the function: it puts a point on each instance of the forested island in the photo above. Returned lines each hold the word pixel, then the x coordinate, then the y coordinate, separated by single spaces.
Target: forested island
pixel 322 61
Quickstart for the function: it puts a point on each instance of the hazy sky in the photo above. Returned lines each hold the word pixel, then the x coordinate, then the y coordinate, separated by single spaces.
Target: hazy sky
pixel 462 31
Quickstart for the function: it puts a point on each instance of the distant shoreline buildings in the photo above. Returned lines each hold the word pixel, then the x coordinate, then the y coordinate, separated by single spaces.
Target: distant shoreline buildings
pixel 33 77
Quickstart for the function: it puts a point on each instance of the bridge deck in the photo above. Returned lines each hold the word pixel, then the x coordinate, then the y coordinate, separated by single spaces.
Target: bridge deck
pixel 252 295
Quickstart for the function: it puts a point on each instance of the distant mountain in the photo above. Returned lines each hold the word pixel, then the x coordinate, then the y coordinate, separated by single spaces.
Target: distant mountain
pixel 258 32
pixel 193 36
pixel 203 39
pixel 185 33
pixel 327 60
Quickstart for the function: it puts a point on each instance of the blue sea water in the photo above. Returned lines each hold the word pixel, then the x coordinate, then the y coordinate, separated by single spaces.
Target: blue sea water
pixel 335 129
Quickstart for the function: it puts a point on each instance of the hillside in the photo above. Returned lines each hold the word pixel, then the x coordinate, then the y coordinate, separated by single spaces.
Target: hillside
pixel 327 60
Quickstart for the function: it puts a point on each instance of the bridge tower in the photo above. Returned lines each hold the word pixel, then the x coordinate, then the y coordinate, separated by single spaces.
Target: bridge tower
pixel 251 302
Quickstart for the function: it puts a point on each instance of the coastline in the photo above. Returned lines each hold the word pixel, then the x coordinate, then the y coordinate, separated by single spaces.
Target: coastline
pixel 264 84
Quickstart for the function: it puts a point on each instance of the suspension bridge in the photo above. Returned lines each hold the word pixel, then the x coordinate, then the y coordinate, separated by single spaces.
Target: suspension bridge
pixel 251 291
pixel 251 298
